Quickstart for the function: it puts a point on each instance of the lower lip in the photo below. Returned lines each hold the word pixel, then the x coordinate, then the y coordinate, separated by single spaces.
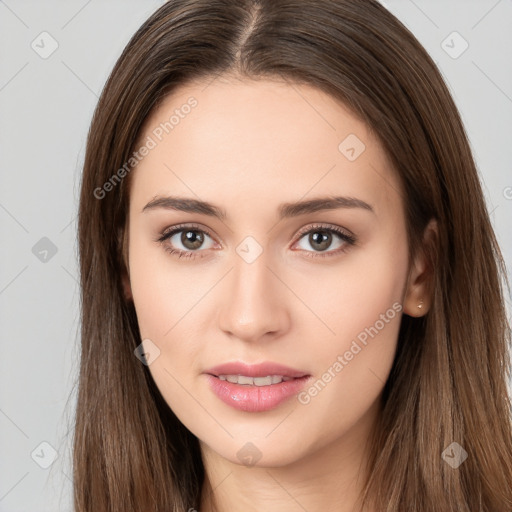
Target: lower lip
pixel 255 398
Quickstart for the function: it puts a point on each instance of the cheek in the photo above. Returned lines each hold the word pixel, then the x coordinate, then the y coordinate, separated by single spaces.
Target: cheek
pixel 164 299
pixel 353 294
pixel 362 306
pixel 175 303
pixel 164 290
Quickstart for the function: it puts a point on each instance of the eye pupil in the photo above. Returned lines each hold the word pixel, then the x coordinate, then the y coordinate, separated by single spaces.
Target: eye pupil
pixel 192 239
pixel 323 238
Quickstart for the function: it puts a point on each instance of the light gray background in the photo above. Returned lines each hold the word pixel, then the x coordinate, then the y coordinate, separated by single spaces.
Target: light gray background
pixel 46 107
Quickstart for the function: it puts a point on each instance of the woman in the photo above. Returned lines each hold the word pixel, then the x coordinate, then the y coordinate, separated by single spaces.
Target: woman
pixel 291 290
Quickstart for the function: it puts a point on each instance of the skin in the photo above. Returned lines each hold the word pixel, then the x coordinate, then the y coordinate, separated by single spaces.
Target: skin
pixel 249 146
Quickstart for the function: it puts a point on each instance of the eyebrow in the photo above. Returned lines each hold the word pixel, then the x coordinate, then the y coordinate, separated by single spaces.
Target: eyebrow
pixel 286 210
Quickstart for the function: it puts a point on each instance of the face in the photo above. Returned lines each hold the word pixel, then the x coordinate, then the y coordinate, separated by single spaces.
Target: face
pixel 264 273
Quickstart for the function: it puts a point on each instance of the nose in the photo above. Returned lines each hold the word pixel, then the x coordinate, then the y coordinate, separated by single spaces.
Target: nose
pixel 254 306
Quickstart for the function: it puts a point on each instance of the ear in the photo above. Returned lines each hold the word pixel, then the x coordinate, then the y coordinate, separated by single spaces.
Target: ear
pixel 418 291
pixel 125 268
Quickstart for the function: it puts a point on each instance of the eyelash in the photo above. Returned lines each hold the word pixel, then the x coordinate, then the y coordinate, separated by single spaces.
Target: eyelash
pixel 343 235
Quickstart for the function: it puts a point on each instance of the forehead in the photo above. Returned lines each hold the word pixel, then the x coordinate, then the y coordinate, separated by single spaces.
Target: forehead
pixel 258 142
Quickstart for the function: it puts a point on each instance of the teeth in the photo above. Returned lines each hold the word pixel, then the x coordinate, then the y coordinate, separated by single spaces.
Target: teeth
pixel 264 381
pixel 245 380
pixel 254 381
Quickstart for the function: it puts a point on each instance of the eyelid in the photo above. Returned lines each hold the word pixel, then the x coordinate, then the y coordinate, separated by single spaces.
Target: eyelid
pixel 346 236
pixel 327 227
pixel 182 227
pixel 169 232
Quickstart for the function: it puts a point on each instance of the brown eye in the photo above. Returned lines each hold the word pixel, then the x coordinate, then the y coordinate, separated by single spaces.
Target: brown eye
pixel 192 239
pixel 186 241
pixel 320 239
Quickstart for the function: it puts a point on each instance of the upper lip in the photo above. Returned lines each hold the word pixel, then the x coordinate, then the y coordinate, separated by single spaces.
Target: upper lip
pixel 255 370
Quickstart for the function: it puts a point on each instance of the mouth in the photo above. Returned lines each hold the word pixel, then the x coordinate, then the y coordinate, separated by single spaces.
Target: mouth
pixel 255 388
pixel 244 380
pixel 265 370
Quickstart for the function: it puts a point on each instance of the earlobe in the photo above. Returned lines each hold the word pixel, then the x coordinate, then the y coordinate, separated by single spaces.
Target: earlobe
pixel 420 309
pixel 418 293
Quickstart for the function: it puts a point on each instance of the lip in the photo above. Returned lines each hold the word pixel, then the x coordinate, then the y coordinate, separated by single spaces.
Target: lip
pixel 255 370
pixel 255 398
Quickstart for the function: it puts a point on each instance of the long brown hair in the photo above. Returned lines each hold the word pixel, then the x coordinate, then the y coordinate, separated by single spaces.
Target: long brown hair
pixel 449 378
